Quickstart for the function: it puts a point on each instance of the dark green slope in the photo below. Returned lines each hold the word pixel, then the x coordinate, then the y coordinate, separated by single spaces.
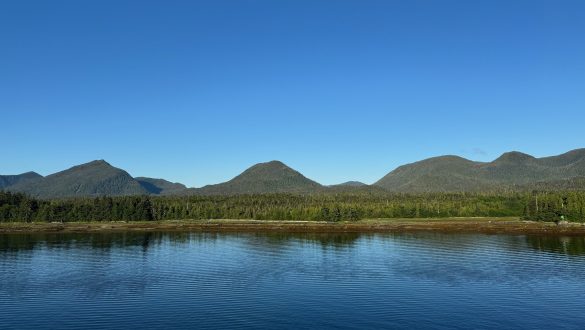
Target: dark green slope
pixel 10 180
pixel 161 187
pixel 444 173
pixel 567 159
pixel 514 168
pixel 96 178
pixel 270 177
pixel 576 183
pixel 350 184
pixel 511 170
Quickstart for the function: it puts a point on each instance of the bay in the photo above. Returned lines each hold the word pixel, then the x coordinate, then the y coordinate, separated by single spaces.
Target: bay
pixel 158 280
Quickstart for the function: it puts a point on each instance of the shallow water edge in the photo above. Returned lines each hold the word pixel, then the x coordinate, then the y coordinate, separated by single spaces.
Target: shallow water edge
pixel 447 225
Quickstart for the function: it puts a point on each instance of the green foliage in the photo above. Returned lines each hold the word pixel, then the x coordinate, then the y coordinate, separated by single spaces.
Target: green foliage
pixel 556 206
pixel 19 207
pixel 544 206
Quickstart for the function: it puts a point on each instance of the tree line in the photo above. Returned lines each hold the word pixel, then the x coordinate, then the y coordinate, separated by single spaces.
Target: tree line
pixel 543 206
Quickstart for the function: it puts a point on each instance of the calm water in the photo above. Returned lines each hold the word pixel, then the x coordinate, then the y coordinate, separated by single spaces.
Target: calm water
pixel 169 280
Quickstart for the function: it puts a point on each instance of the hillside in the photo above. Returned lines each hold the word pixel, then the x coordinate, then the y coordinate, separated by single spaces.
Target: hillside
pixel 95 178
pixel 161 186
pixel 512 169
pixel 270 177
pixel 10 180
pixel 350 184
pixel 576 183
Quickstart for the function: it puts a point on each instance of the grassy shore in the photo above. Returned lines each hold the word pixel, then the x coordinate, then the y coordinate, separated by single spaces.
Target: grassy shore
pixel 463 225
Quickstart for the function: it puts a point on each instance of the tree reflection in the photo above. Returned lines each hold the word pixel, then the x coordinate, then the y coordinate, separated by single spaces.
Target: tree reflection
pixel 105 242
pixel 569 245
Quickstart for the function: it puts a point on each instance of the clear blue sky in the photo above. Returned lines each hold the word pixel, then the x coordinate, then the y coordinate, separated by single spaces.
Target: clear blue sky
pixel 197 91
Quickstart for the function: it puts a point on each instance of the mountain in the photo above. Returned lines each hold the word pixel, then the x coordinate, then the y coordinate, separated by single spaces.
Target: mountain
pixel 350 184
pixel 444 173
pixel 270 177
pixel 161 187
pixel 10 180
pixel 95 178
pixel 510 170
pixel 577 183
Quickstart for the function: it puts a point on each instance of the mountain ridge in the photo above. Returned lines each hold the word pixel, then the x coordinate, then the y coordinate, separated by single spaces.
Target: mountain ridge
pixel 449 173
pixel 511 169
pixel 95 178
pixel 10 180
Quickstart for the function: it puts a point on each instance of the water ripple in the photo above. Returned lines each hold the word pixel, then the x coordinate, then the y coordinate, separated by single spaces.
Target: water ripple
pixel 342 281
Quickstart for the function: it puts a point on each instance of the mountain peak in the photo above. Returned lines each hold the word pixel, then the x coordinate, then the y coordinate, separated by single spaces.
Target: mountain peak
pixel 442 173
pixel 271 164
pixel 269 177
pixel 95 178
pixel 89 168
pixel 30 174
pixel 97 162
pixel 268 169
pixel 514 157
pixel 352 184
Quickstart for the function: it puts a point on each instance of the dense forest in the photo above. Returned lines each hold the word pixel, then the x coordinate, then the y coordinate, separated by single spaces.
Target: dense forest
pixel 542 206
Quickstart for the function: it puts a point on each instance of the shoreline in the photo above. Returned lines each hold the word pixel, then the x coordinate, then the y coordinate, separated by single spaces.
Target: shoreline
pixel 513 226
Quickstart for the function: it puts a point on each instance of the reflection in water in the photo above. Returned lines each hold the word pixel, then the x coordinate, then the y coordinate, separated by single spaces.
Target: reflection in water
pixel 100 241
pixel 569 245
pixel 108 241
pixel 325 240
pixel 290 280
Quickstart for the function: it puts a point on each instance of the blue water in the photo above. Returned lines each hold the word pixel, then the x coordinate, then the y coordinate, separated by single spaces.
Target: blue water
pixel 343 281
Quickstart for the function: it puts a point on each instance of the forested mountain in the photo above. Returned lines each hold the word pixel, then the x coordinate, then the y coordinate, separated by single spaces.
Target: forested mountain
pixel 96 178
pixel 161 187
pixel 577 183
pixel 350 184
pixel 511 170
pixel 10 180
pixel 270 177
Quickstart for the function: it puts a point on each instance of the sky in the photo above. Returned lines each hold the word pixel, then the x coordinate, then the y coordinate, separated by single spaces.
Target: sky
pixel 197 91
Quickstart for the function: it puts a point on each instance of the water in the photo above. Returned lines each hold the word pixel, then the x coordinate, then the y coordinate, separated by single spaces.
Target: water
pixel 352 281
